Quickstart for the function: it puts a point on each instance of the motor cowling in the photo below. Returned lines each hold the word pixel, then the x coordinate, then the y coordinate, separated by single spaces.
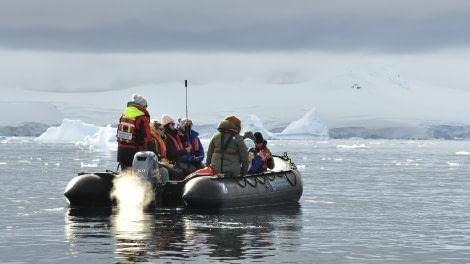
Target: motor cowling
pixel 145 165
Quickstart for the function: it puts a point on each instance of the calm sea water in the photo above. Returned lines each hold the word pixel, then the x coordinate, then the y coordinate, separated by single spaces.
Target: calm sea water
pixel 364 201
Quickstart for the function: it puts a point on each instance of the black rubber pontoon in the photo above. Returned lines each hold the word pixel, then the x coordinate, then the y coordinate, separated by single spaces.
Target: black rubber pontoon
pixel 281 185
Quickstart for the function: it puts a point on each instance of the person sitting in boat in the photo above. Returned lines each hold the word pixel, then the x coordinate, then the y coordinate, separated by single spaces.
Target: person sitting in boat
pixel 185 129
pixel 133 132
pixel 175 148
pixel 226 153
pixel 167 169
pixel 255 160
pixel 260 146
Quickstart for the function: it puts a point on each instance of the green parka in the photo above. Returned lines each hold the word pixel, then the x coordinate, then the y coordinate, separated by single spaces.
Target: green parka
pixel 235 156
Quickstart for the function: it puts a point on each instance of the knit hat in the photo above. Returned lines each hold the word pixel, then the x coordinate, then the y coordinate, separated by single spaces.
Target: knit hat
pixel 259 137
pixel 182 121
pixel 166 119
pixel 138 99
pixel 249 134
pixel 234 120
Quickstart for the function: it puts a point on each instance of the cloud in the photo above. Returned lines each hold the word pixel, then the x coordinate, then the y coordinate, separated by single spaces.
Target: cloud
pixel 69 46
pixel 107 26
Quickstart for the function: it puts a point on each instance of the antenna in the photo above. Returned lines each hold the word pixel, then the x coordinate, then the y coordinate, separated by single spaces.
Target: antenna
pixel 186 86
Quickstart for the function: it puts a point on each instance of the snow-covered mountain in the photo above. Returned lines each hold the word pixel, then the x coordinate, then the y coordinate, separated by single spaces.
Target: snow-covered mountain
pixel 366 100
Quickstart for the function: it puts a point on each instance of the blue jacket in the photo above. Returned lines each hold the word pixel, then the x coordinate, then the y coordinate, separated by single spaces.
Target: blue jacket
pixel 256 165
pixel 197 154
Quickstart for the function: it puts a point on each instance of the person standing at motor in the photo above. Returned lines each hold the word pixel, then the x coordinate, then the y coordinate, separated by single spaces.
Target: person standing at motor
pixel 226 153
pixel 133 132
pixel 185 130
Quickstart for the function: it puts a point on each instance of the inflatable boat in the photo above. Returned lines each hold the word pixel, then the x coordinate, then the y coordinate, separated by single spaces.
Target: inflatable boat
pixel 200 190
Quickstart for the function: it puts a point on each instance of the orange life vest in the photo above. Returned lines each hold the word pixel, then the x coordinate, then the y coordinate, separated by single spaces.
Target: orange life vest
pixel 265 162
pixel 176 141
pixel 194 145
pixel 160 144
pixel 126 131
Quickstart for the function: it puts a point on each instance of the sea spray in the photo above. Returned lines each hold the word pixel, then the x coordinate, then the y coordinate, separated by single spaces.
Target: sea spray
pixel 131 192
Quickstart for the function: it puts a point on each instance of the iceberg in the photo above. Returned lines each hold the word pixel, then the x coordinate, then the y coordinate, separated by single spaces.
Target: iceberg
pixel 254 124
pixel 68 131
pixel 310 126
pixel 452 132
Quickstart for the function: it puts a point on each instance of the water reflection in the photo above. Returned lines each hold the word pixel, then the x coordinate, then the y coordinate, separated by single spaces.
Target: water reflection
pixel 184 235
pixel 88 230
pixel 235 234
pixel 132 229
pixel 86 222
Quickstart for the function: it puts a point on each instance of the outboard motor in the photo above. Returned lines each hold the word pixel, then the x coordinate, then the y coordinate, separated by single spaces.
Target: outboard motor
pixel 145 165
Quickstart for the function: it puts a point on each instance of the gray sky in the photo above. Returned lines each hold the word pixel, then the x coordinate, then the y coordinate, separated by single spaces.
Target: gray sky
pixel 109 26
pixel 68 46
